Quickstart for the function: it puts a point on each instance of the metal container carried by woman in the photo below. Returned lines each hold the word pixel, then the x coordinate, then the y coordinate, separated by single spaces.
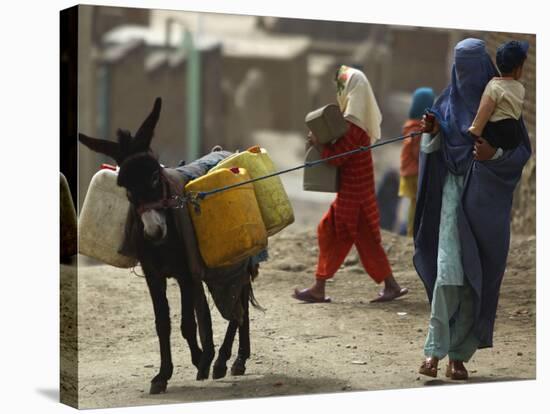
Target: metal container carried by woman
pixel 67 220
pixel 228 225
pixel 327 123
pixel 321 177
pixel 272 199
pixel 102 220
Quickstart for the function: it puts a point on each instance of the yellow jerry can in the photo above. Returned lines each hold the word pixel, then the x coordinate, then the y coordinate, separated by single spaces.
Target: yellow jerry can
pixel 229 226
pixel 102 220
pixel 274 204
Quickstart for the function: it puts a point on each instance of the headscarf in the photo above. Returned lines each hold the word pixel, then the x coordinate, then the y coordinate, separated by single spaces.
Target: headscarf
pixel 357 101
pixel 456 108
pixel 422 99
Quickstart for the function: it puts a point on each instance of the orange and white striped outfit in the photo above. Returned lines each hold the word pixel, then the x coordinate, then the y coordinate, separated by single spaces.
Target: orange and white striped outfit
pixel 353 217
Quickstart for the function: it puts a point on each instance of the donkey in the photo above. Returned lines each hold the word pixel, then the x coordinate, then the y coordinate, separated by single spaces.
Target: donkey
pixel 163 241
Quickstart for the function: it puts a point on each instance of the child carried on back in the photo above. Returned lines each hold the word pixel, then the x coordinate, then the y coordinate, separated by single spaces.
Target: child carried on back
pixel 497 119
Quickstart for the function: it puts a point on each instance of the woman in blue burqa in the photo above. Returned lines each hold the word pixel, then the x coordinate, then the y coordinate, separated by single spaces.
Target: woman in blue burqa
pixel 462 221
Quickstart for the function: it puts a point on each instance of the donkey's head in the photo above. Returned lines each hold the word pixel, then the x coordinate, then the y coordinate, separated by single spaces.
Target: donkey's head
pixel 140 172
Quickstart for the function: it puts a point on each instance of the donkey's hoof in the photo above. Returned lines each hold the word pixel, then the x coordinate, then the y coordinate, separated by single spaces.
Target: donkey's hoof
pixel 196 359
pixel 238 368
pixel 158 387
pixel 202 374
pixel 219 371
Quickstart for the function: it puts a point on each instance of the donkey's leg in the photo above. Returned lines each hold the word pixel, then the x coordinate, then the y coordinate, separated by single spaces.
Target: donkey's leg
pixel 220 366
pixel 205 330
pixel 188 324
pixel 239 365
pixel 157 290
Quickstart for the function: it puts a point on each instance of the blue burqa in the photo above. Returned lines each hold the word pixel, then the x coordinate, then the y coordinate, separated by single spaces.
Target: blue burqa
pixel 484 213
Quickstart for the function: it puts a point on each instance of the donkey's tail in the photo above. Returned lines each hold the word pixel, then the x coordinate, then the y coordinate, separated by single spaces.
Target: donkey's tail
pixel 253 300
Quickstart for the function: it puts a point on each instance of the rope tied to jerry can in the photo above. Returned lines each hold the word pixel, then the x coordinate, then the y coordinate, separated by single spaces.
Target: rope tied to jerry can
pixel 194 198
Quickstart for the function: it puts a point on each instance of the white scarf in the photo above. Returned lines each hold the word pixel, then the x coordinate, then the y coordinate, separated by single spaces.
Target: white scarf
pixel 357 101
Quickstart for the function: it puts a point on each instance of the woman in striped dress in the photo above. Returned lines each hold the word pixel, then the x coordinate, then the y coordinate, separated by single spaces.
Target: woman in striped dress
pixel 353 217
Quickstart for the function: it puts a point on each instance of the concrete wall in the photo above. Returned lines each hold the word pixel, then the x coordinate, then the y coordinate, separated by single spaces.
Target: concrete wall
pixel 88 161
pixel 212 124
pixel 105 18
pixel 318 29
pixel 94 21
pixel 133 82
pixel 133 88
pixel 286 85
pixel 418 58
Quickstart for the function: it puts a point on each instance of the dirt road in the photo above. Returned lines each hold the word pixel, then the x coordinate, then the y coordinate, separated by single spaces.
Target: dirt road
pixel 297 348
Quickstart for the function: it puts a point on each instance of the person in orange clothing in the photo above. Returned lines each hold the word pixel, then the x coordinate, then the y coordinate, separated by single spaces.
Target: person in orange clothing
pixel 422 99
pixel 353 217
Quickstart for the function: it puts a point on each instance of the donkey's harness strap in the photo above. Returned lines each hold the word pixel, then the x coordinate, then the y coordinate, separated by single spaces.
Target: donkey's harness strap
pixel 167 200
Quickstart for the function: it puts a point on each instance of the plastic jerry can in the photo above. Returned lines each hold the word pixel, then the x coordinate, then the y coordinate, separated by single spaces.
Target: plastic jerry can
pixel 229 225
pixel 270 193
pixel 102 220
pixel 67 220
pixel 327 123
pixel 321 177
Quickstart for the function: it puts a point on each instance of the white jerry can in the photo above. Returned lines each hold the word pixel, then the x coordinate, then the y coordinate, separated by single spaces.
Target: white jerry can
pixel 102 220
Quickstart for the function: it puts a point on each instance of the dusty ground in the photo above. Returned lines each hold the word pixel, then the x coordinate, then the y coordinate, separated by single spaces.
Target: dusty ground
pixel 297 348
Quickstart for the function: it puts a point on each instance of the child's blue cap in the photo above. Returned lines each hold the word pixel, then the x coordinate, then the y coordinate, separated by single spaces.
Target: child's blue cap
pixel 511 55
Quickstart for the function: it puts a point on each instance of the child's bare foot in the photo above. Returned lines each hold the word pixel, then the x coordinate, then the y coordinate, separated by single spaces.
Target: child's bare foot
pixel 391 291
pixel 387 295
pixel 306 295
pixel 314 294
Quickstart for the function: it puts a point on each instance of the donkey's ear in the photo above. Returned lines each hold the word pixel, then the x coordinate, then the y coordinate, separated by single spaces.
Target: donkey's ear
pixel 144 135
pixel 109 148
